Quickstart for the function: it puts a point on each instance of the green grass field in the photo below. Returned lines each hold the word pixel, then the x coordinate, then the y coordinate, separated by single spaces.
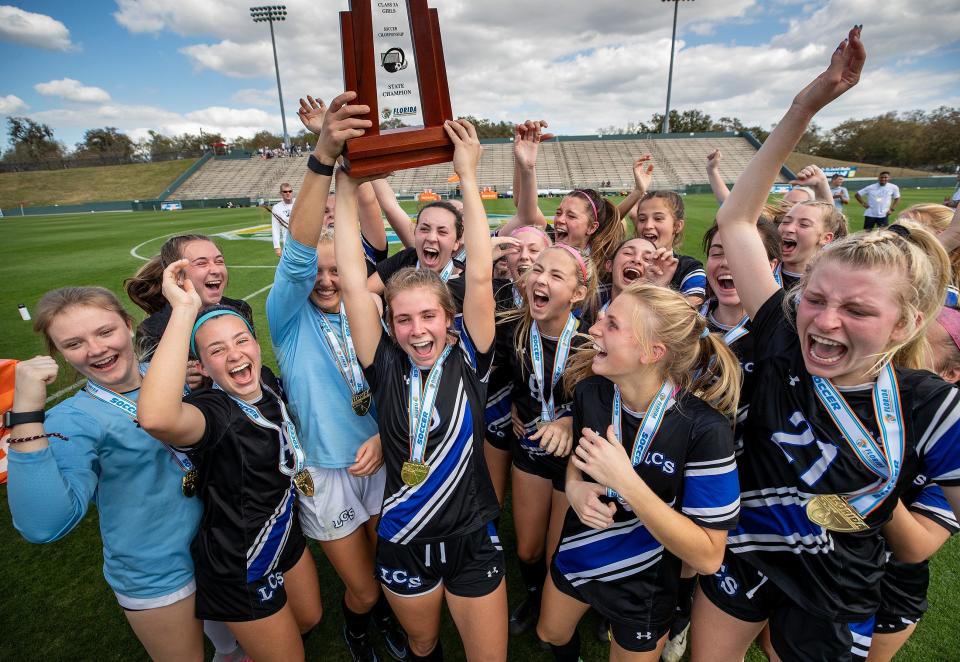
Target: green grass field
pixel 137 181
pixel 56 604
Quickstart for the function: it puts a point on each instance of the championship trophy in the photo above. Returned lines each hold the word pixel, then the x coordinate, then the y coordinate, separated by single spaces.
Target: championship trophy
pixel 393 59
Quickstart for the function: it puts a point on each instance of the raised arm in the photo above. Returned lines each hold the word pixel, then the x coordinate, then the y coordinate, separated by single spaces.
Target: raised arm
pixel 642 176
pixel 478 301
pixel 351 266
pixel 398 219
pixel 737 218
pixel 950 238
pixel 371 221
pixel 717 185
pixel 333 126
pixel 813 177
pixel 526 146
pixel 160 409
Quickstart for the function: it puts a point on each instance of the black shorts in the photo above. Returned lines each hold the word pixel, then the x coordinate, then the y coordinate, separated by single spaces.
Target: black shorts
pixel 903 596
pixel 635 636
pixel 496 417
pixel 231 601
pixel 870 222
pixel 470 566
pixel 745 593
pixel 533 460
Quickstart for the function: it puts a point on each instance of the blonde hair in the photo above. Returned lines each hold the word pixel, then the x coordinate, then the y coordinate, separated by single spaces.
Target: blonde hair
pixel 695 361
pixel 925 270
pixel 410 278
pixel 522 336
pixel 936 218
pixel 833 219
pixel 60 300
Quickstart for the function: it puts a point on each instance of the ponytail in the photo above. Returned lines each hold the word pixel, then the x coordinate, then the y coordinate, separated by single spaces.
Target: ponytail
pixel 145 287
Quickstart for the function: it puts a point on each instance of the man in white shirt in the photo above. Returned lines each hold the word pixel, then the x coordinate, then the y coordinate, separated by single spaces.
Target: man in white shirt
pixel 280 222
pixel 841 196
pixel 880 200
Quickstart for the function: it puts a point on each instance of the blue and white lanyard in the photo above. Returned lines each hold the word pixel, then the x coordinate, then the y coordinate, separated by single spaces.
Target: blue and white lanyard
pixel 733 334
pixel 649 426
pixel 547 410
pixel 129 407
pixel 288 433
pixel 778 274
pixel 885 459
pixel 420 411
pixel 444 273
pixel 344 353
pixel 517 297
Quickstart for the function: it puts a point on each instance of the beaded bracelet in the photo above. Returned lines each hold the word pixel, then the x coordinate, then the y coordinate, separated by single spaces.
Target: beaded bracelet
pixel 20 440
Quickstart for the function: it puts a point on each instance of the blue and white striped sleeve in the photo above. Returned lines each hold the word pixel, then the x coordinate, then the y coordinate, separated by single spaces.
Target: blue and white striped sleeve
pixel 939 445
pixel 711 487
pixel 932 503
pixel 694 284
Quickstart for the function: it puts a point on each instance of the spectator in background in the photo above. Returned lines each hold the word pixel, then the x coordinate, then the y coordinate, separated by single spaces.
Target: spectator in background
pixel 880 200
pixel 954 200
pixel 280 223
pixel 841 196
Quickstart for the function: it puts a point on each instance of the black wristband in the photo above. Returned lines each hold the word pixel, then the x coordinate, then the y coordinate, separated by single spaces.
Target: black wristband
pixel 11 418
pixel 313 163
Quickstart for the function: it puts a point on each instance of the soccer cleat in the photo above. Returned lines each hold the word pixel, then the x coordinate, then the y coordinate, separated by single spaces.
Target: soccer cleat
pixel 361 648
pixel 394 638
pixel 238 655
pixel 525 616
pixel 676 646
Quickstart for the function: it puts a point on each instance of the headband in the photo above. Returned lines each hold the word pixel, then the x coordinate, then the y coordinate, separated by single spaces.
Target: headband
pixel 949 319
pixel 593 206
pixel 578 256
pixel 206 317
pixel 533 228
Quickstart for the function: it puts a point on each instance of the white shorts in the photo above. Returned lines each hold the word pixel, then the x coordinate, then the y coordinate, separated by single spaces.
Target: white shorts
pixel 341 503
pixel 141 604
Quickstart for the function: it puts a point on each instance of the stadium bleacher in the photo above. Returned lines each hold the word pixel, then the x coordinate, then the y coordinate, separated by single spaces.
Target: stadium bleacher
pixel 563 163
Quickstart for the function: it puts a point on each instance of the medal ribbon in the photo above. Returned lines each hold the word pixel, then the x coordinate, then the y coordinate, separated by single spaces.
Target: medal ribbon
pixel 346 360
pixel 129 407
pixel 288 429
pixel 735 333
pixel 649 425
pixel 444 273
pixel 885 459
pixel 778 275
pixel 517 298
pixel 547 410
pixel 421 405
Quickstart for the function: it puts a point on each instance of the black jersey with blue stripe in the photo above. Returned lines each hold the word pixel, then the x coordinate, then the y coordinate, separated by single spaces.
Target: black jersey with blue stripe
pixel 248 504
pixel 498 407
pixel 742 348
pixel 793 450
pixel 689 279
pixel 457 496
pixel 625 573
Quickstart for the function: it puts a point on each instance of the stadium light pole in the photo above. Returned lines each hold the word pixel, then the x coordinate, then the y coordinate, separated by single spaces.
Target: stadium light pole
pixel 269 14
pixel 673 42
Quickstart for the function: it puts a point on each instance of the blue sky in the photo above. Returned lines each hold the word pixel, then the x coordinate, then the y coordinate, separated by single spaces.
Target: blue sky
pixel 182 65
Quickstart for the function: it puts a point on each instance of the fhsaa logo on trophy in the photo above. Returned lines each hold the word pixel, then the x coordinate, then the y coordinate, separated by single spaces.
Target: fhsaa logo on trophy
pixel 393 60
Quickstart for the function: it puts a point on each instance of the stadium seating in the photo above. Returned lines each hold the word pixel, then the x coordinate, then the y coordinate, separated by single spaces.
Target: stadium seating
pixel 565 163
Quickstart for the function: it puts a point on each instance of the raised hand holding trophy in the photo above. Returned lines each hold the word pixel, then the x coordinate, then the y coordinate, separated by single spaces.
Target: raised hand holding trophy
pixel 393 58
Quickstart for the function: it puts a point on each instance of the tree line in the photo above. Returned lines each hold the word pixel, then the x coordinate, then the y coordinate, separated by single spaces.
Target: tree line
pixel 913 139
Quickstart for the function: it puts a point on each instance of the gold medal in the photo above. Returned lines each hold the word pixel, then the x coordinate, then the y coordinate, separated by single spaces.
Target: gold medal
pixel 414 473
pixel 835 513
pixel 188 484
pixel 361 402
pixel 304 482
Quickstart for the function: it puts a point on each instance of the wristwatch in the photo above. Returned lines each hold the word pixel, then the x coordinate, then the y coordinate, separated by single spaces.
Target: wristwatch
pixel 11 418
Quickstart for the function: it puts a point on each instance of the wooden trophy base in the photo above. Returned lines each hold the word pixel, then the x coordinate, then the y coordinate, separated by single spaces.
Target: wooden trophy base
pixel 377 152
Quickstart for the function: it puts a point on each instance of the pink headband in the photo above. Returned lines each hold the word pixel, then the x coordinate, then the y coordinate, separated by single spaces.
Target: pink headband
pixel 532 228
pixel 949 319
pixel 577 255
pixel 577 191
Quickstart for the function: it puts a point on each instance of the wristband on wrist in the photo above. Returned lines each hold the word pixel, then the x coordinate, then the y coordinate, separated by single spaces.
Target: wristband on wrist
pixel 314 165
pixel 11 418
pixel 20 440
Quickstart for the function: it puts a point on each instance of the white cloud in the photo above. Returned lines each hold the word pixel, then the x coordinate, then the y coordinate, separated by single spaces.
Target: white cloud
pixel 72 90
pixel 30 29
pixel 255 97
pixel 11 105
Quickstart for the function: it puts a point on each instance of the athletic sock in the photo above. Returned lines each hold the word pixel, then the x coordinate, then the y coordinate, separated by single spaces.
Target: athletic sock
pixel 356 623
pixel 681 617
pixel 533 575
pixel 220 636
pixel 436 655
pixel 568 652
pixel 382 612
